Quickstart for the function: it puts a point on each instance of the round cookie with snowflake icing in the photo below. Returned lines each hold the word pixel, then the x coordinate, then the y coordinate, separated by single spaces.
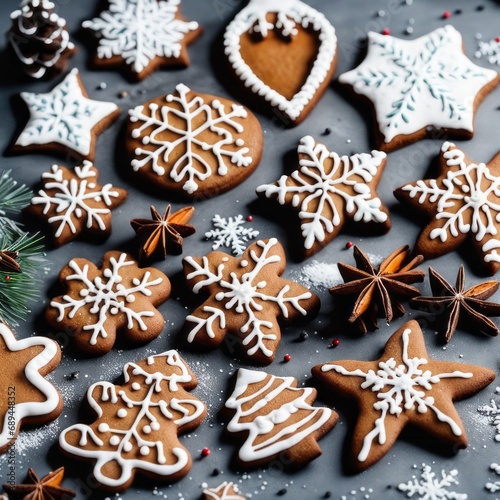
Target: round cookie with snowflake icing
pixel 193 145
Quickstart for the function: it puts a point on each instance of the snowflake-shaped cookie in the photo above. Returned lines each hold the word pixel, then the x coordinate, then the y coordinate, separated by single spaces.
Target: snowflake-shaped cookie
pixel 403 387
pixel 463 203
pixel 432 486
pixel 142 35
pixel 196 144
pixel 99 302
pixel 231 233
pixel 418 85
pixel 327 189
pixel 246 298
pixel 72 202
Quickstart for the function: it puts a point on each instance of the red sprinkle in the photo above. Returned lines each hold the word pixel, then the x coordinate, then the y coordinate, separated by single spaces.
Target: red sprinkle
pixel 249 218
pixel 386 31
pixel 446 14
pixel 205 452
pixel 349 244
pixel 7 278
pixel 497 39
pixel 335 342
pixel 287 358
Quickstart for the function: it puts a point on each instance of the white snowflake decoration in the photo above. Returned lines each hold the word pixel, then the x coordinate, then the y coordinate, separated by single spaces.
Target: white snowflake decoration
pixel 478 192
pixel 490 50
pixel 417 83
pixel 230 233
pixel 431 486
pixel 495 486
pixel 317 190
pixel 63 116
pixel 399 388
pixel 191 167
pixel 493 412
pixel 72 197
pixel 106 297
pixel 140 31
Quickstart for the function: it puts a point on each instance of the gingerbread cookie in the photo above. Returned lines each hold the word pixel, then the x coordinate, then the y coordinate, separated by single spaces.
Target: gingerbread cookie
pixel 327 190
pixel 72 203
pixel 225 491
pixel 26 397
pixel 65 120
pixel 39 39
pixel 136 425
pixel 193 144
pixel 403 387
pixel 98 302
pixel 463 203
pixel 284 53
pixel 417 86
pixel 276 419
pixel 142 35
pixel 246 297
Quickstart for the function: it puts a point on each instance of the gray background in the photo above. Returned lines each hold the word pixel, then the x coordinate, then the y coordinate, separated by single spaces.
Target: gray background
pixel 350 133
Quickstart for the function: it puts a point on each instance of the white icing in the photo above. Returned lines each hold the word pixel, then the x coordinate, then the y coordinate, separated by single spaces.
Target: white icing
pixel 191 167
pixel 248 402
pixel 399 388
pixel 63 116
pixel 28 409
pixel 290 12
pixel 140 31
pixel 468 192
pixel 418 83
pixel 104 295
pixel 157 401
pixel 231 233
pixel 245 294
pixel 70 200
pixel 60 36
pixel 323 183
pixel 222 492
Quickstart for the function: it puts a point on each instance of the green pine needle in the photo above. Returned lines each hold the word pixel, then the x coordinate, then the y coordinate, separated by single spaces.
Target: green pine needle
pixel 13 197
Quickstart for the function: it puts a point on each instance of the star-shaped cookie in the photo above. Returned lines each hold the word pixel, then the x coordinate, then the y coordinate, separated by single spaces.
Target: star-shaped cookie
pixel 403 387
pixel 462 203
pixel 419 85
pixel 327 190
pixel 65 120
pixel 26 397
pixel 246 297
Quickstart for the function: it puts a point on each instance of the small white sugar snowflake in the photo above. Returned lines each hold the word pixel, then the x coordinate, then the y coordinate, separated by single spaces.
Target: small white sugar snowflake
pixel 490 50
pixel 231 233
pixel 430 486
pixel 494 487
pixel 493 411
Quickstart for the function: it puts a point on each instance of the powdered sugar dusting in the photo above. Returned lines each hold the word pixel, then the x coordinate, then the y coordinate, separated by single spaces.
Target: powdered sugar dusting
pixel 320 275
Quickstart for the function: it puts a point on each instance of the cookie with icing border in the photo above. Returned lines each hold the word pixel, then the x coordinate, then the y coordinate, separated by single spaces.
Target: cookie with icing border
pixel 225 491
pixel 462 204
pixel 418 86
pixel 64 121
pixel 275 420
pixel 100 302
pixel 193 145
pixel 141 36
pixel 72 203
pixel 136 424
pixel 283 53
pixel 327 191
pixel 26 397
pixel 404 387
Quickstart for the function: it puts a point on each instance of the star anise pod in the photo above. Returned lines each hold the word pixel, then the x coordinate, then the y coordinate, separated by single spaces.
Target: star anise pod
pixel 47 488
pixel 468 307
pixel 379 290
pixel 8 261
pixel 162 235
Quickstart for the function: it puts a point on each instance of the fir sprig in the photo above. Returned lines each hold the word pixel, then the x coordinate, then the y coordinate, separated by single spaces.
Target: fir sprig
pixel 13 197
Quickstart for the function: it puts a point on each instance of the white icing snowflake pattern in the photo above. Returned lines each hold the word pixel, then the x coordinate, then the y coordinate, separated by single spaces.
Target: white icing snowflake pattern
pixel 63 116
pixel 495 486
pixel 72 197
pixel 493 412
pixel 106 297
pixel 490 50
pixel 230 233
pixel 140 31
pixel 190 167
pixel 431 486
pixel 324 182
pixel 417 83
pixel 469 192
pixel 399 388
